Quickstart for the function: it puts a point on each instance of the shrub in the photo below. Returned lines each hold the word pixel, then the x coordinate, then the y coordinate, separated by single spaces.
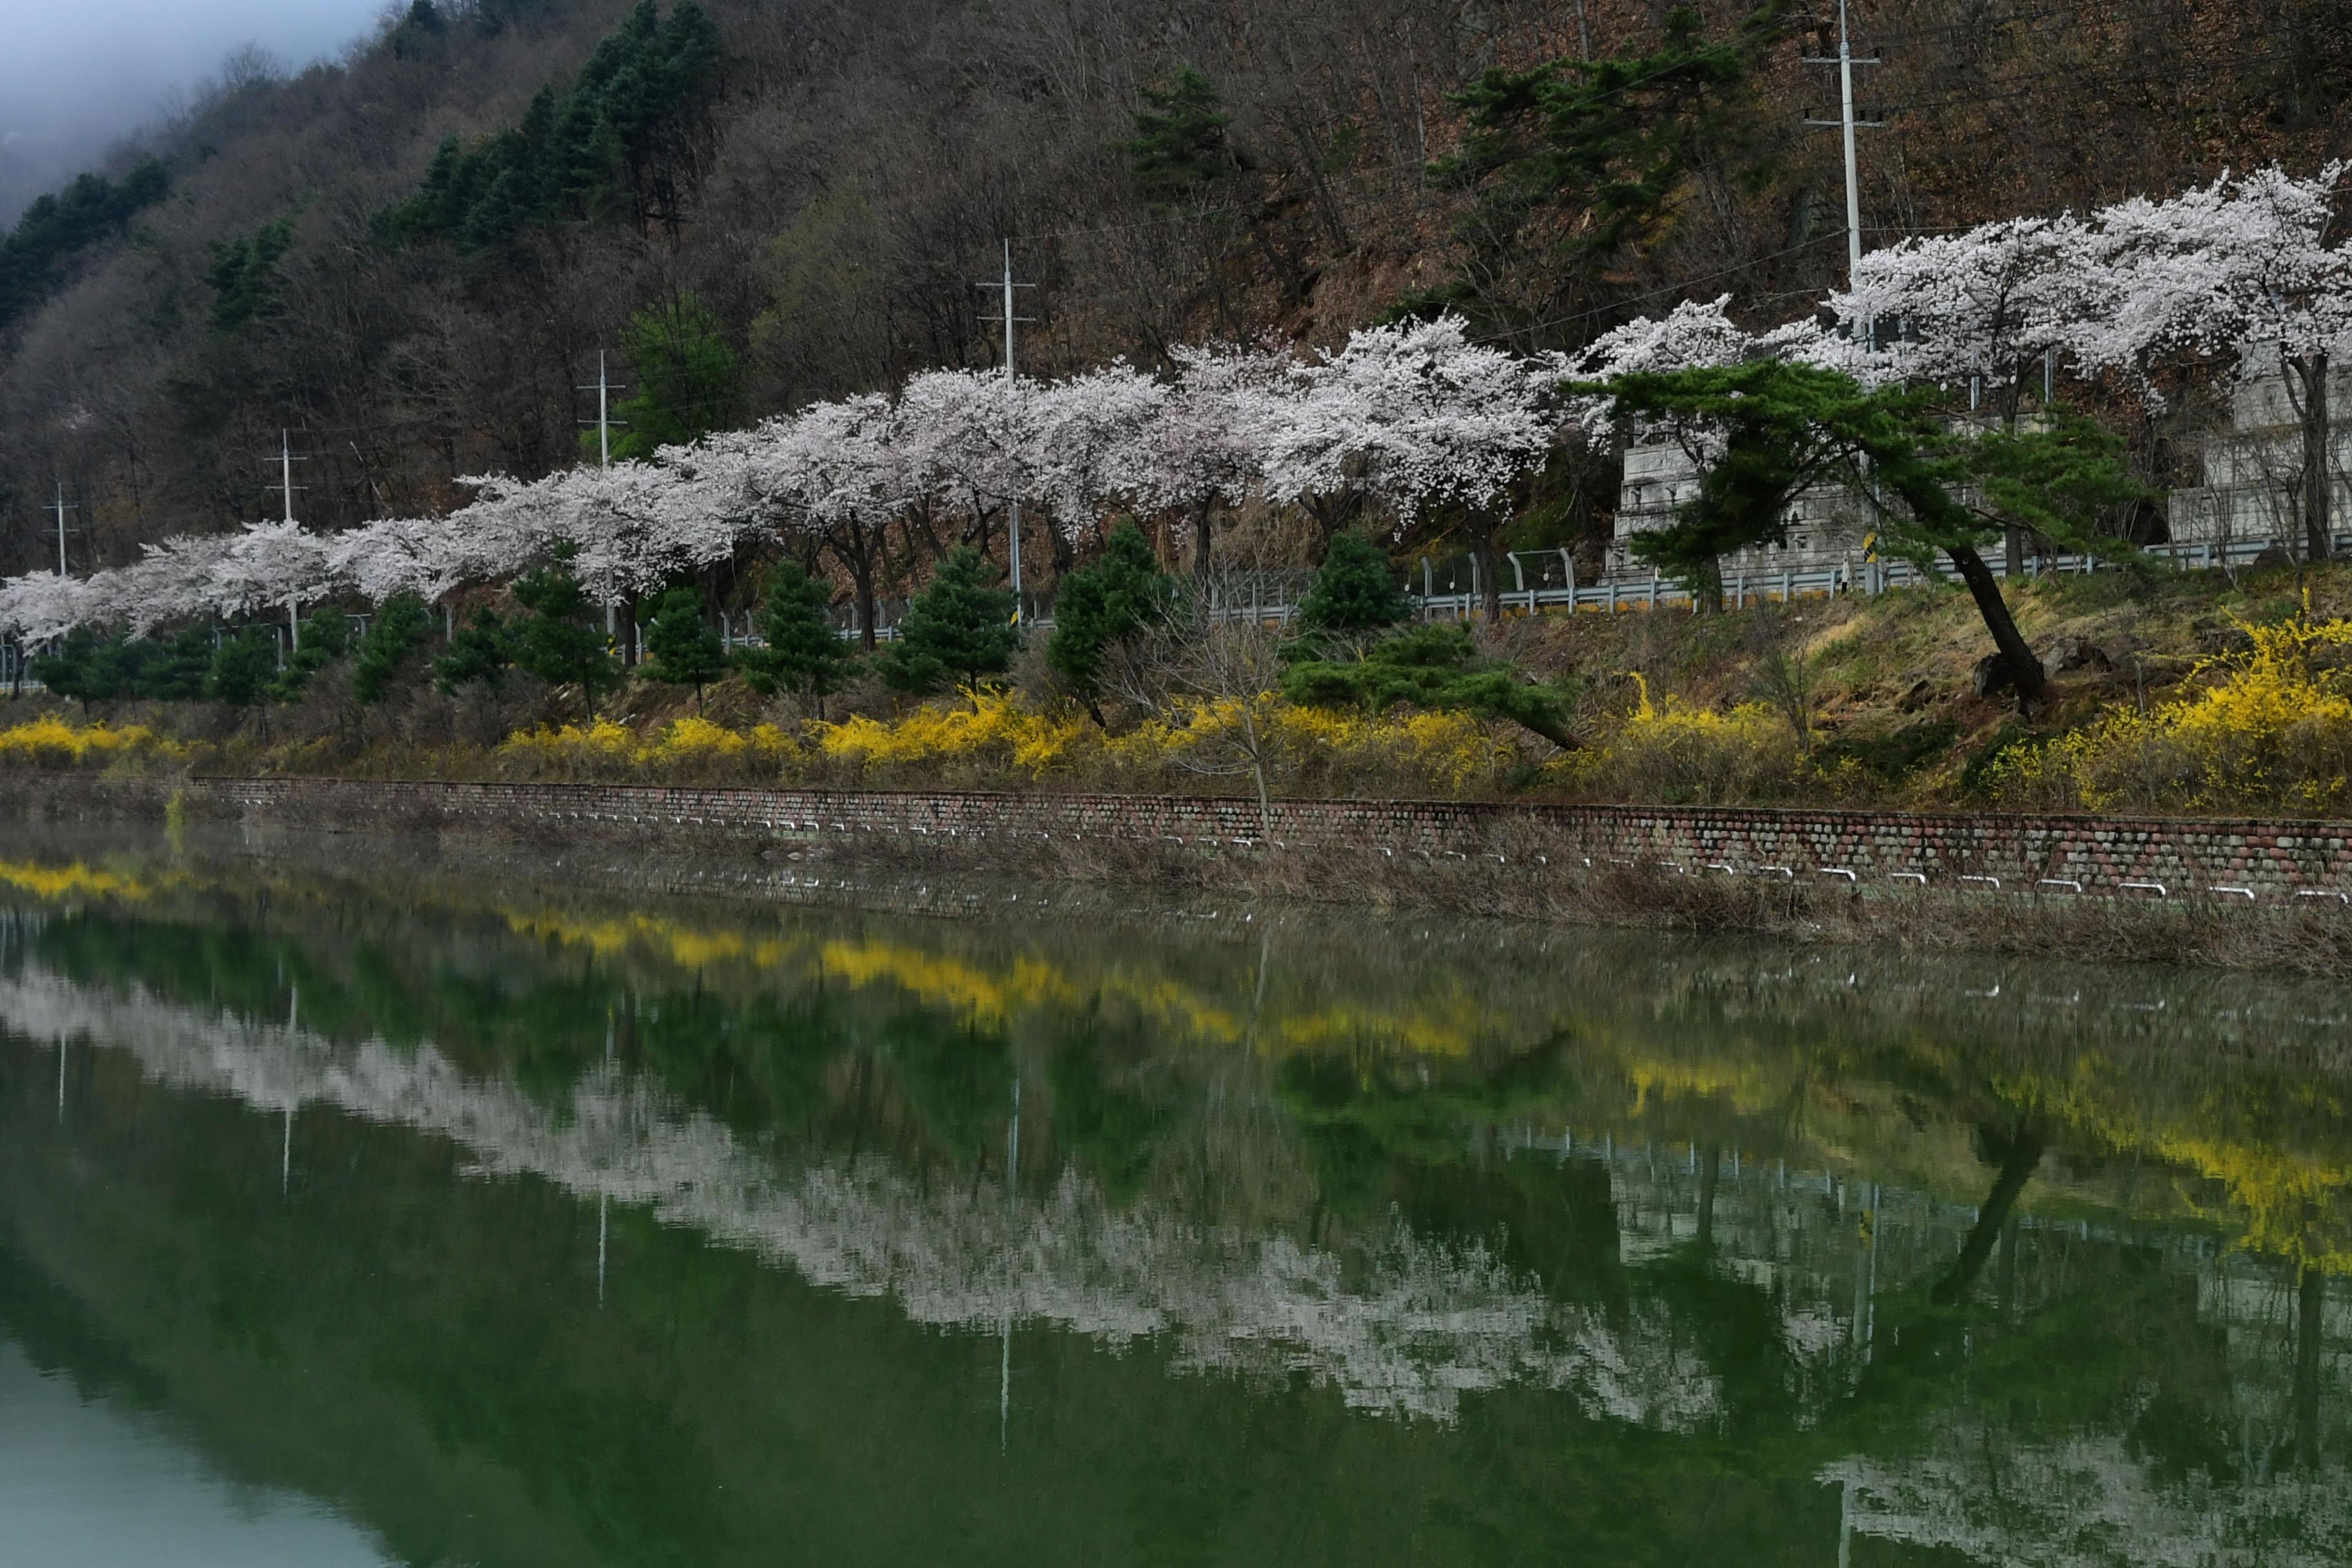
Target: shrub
pixel 2266 729
pixel 401 626
pixel 994 729
pixel 956 631
pixel 1682 754
pixel 692 746
pixel 52 743
pixel 686 650
pixel 602 747
pixel 804 655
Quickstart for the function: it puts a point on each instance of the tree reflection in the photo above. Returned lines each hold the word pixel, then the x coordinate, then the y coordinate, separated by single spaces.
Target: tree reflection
pixel 1721 1235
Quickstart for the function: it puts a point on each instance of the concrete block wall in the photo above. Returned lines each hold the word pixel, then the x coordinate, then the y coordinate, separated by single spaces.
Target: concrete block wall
pixel 2051 855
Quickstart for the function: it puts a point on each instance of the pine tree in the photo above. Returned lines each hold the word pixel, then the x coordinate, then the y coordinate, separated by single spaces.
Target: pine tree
pixel 803 656
pixel 163 669
pixel 401 626
pixel 479 655
pixel 556 641
pixel 1433 667
pixel 243 668
pixel 686 649
pixel 1354 591
pixel 326 637
pixel 688 377
pixel 1599 154
pixel 1785 427
pixel 1102 605
pixel 244 275
pixel 73 667
pixel 959 629
pixel 1180 143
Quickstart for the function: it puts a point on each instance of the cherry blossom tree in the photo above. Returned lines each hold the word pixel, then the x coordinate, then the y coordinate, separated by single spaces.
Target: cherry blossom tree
pixel 835 474
pixel 1985 305
pixel 42 606
pixel 272 566
pixel 1089 435
pixel 630 527
pixel 966 442
pixel 419 555
pixel 1206 447
pixel 171 580
pixel 1417 416
pixel 1983 308
pixel 2249 265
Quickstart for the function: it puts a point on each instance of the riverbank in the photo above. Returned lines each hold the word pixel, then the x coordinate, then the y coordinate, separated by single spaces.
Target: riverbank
pixel 2240 894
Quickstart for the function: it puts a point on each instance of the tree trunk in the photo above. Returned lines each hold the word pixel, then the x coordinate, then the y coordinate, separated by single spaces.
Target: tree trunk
pixel 1490 577
pixel 1707 590
pixel 2310 1301
pixel 2318 526
pixel 1200 511
pixel 861 574
pixel 1709 1177
pixel 2017 1168
pixel 1059 548
pixel 1330 514
pixel 851 549
pixel 2025 671
pixel 2013 552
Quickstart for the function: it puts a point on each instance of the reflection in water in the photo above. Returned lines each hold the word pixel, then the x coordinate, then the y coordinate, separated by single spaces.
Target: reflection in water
pixel 1678 1247
pixel 86 1484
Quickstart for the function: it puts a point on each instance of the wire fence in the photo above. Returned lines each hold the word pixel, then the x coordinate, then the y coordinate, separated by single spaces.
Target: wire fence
pixel 1545 581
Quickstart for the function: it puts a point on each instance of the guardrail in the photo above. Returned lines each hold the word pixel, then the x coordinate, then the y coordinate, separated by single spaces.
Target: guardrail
pixel 1623 592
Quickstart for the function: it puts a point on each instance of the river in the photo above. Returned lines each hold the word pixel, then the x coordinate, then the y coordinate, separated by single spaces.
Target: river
pixel 366 1204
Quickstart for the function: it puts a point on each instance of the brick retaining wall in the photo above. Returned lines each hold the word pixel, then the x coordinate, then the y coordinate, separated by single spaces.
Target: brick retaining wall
pixel 2271 861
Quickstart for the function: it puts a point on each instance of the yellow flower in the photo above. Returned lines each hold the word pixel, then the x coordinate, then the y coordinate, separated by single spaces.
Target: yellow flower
pixel 52 741
pixel 2268 728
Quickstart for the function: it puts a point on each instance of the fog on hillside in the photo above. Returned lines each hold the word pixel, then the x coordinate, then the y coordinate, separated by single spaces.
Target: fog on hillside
pixel 76 79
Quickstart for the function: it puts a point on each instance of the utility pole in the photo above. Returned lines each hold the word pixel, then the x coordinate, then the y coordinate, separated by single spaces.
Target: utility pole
pixel 61 507
pixel 604 390
pixel 286 461
pixel 1014 504
pixel 1844 60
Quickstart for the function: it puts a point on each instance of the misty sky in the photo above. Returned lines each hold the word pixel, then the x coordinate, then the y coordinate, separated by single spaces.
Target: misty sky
pixel 78 73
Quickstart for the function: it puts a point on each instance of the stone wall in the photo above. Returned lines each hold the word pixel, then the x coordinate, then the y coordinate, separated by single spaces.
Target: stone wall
pixel 2046 855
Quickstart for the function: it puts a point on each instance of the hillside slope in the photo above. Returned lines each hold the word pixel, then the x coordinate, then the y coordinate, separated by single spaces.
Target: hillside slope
pixel 814 203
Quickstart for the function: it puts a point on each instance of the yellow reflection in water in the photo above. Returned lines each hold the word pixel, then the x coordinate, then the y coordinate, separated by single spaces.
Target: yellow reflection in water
pixel 77 880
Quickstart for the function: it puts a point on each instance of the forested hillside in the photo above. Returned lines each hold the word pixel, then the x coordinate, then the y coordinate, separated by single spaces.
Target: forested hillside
pixel 413 258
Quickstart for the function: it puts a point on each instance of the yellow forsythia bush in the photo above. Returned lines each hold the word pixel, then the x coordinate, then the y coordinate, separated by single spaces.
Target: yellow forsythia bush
pixel 1449 751
pixel 53 742
pixel 605 749
pixel 2266 728
pixel 988 736
pixel 1678 752
pixel 985 728
pixel 699 741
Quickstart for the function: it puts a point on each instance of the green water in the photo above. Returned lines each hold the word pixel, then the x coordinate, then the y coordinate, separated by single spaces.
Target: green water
pixel 358 1205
